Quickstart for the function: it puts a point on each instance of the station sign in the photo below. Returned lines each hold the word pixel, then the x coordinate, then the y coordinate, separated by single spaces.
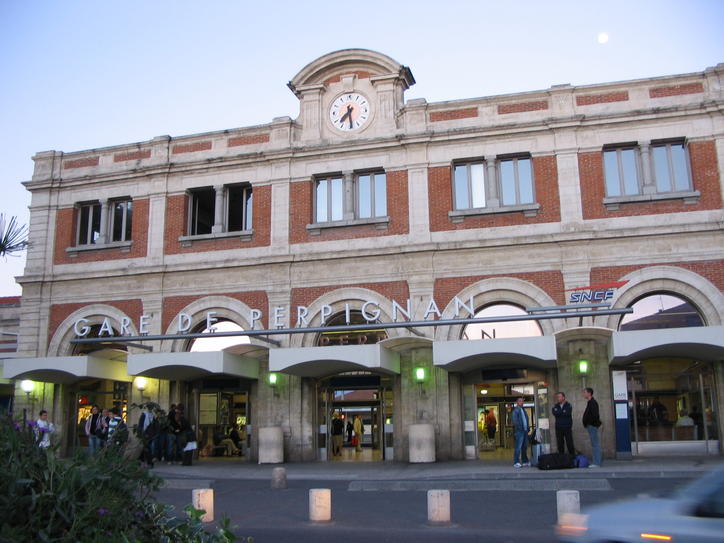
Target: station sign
pixel 594 293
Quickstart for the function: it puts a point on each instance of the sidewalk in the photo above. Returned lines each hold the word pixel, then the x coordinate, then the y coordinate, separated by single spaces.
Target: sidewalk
pixel 642 467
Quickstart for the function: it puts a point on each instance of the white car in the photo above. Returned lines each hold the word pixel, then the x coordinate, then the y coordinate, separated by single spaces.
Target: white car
pixel 694 513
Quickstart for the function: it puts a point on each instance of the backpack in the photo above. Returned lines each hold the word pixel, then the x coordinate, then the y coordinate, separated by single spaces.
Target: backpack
pixel 580 461
pixel 555 461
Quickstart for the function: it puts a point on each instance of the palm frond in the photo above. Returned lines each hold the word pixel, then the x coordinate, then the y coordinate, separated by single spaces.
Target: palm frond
pixel 13 236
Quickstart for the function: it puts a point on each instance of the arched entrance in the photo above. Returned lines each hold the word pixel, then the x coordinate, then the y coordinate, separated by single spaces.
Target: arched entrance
pixel 670 376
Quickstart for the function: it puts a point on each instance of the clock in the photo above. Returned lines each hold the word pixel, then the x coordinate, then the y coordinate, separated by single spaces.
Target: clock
pixel 349 111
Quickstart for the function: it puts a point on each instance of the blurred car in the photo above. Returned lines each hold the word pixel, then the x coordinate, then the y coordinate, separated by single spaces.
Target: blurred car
pixel 694 513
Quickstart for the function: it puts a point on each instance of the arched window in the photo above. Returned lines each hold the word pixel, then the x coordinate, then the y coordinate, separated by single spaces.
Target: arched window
pixel 661 310
pixel 218 343
pixel 357 337
pixel 523 328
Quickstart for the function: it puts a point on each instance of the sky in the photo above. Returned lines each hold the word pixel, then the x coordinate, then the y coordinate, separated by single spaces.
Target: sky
pixel 80 75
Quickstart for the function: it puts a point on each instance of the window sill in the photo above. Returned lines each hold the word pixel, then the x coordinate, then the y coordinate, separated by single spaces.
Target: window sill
pixel 528 210
pixel 243 235
pixel 613 203
pixel 380 223
pixel 124 246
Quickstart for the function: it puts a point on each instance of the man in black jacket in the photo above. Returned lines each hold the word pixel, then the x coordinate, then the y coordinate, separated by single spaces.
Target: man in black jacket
pixel 563 412
pixel 591 422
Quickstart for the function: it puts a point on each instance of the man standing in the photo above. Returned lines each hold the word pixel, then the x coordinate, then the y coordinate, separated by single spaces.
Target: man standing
pixel 592 422
pixel 563 412
pixel 337 434
pixel 520 427
pixel 359 429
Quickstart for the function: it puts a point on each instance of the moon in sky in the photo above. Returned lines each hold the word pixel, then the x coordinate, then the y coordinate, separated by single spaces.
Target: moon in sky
pixel 602 37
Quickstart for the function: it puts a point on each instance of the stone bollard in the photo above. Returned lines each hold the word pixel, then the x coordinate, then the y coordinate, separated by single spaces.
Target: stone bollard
pixel 568 501
pixel 422 443
pixel 279 478
pixel 438 506
pixel 271 445
pixel 320 505
pixel 203 498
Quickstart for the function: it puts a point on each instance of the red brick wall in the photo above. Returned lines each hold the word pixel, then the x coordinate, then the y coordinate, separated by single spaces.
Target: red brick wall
pixel 301 208
pixel 131 155
pixel 550 281
pixel 440 192
pixel 393 290
pixel 705 177
pixel 337 78
pixel 177 219
pixel 675 90
pixel 81 162
pixel 254 299
pixel 65 232
pixel 247 140
pixel 452 114
pixel 602 98
pixel 190 147
pixel 713 270
pixel 59 312
pixel 522 107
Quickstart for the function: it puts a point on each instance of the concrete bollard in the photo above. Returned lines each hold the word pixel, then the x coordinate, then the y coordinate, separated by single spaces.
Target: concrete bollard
pixel 422 443
pixel 438 506
pixel 568 501
pixel 271 445
pixel 203 498
pixel 279 478
pixel 320 505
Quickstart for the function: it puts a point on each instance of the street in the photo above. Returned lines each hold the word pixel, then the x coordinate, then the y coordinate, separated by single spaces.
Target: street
pixel 401 516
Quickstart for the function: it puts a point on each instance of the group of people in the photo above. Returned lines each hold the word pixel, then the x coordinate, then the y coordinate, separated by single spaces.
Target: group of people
pixel 563 414
pixel 103 426
pixel 338 430
pixel 165 436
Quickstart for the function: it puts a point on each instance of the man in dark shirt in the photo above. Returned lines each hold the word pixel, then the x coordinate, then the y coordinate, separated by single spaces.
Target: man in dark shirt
pixel 591 422
pixel 337 434
pixel 563 412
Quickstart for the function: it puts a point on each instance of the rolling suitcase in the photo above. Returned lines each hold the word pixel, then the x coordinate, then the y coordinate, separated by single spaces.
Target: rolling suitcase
pixel 555 461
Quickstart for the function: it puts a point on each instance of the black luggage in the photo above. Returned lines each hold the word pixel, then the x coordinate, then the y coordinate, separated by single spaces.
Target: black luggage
pixel 556 461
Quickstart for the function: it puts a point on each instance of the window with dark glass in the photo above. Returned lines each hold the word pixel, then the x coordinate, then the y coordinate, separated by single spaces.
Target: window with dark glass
pixel 671 167
pixel 371 195
pixel 239 207
pixel 621 171
pixel 202 202
pixel 121 220
pixel 89 223
pixel 469 185
pixel 516 181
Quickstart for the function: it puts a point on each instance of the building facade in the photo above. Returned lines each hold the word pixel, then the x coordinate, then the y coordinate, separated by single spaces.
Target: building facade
pixel 367 210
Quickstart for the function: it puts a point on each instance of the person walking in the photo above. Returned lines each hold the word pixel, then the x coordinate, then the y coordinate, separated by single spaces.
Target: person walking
pixel 563 412
pixel 491 423
pixel 337 434
pixel 359 429
pixel 350 429
pixel 92 428
pixel 520 431
pixel 592 422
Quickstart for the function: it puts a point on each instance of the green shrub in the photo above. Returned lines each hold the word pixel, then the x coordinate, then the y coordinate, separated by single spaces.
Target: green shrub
pixel 99 499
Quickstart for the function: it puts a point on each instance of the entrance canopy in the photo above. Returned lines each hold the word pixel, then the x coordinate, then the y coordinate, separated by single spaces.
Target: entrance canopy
pixel 467 355
pixel 323 361
pixel 105 364
pixel 701 342
pixel 184 366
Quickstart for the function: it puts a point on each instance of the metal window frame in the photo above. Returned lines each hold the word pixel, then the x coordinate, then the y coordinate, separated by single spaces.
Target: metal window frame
pixel 618 148
pixel 469 179
pixel 246 218
pixel 357 192
pixel 328 178
pixel 516 178
pixel 667 144
pixel 124 219
pixel 192 226
pixel 89 235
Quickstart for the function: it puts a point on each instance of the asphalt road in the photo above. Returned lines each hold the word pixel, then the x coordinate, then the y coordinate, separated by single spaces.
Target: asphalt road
pixel 503 516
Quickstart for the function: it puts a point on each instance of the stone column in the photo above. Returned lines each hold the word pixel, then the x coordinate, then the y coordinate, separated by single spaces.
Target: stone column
pixel 218 209
pixel 271 445
pixel 422 443
pixel 103 237
pixel 648 184
pixel 348 188
pixel 492 198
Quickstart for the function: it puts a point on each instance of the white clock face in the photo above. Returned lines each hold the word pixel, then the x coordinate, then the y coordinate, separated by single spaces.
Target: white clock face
pixel 349 112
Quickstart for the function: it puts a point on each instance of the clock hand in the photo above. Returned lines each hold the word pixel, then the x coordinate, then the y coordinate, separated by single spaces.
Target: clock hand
pixel 347 115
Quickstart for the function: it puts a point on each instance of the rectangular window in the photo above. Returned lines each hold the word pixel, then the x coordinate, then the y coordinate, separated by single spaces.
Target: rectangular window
pixel 516 181
pixel 121 219
pixel 671 167
pixel 621 171
pixel 89 223
pixel 201 216
pixel 329 201
pixel 371 195
pixel 469 185
pixel 239 207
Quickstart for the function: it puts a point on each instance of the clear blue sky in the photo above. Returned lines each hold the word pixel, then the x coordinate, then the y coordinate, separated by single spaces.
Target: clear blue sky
pixel 79 75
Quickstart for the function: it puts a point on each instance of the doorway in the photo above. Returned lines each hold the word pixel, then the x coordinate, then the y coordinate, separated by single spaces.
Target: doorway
pixel 347 396
pixel 104 394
